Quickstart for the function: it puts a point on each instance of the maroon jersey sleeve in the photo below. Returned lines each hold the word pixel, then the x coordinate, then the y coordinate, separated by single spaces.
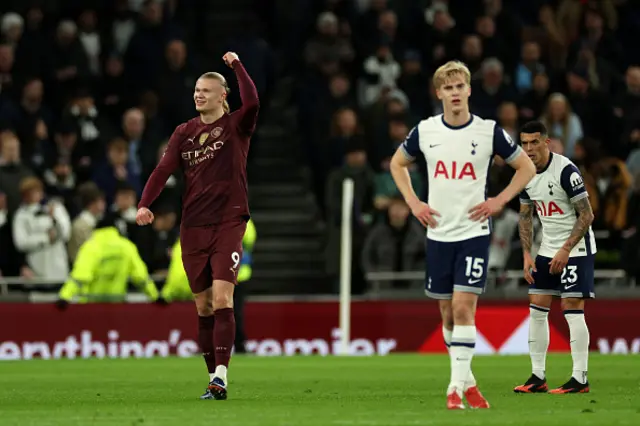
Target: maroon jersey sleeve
pixel 169 162
pixel 247 115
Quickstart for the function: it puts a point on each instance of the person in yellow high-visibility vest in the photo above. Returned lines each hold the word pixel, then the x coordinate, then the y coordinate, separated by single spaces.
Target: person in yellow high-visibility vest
pixel 176 286
pixel 105 264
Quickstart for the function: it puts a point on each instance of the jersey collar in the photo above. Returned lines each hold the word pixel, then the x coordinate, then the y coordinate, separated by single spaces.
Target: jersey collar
pixel 548 164
pixel 462 126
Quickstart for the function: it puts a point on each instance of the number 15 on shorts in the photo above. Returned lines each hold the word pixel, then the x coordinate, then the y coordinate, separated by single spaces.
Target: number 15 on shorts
pixel 474 269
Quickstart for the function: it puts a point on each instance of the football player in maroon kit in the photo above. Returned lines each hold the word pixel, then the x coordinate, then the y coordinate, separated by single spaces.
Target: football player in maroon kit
pixel 211 151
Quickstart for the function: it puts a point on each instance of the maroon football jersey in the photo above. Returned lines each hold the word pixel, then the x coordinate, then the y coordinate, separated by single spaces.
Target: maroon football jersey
pixel 213 159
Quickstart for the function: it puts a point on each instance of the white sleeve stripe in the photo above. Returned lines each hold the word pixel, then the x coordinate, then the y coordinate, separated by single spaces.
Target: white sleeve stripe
pixel 525 201
pixel 406 153
pixel 579 197
pixel 514 155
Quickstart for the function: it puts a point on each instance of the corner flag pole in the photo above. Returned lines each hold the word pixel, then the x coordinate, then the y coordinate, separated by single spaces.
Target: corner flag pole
pixel 345 265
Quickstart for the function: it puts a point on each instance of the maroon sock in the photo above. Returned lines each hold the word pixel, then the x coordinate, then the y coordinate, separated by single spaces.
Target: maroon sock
pixel 205 340
pixel 224 334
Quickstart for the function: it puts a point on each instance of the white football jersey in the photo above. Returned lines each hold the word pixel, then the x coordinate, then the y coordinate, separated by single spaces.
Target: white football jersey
pixel 458 161
pixel 553 192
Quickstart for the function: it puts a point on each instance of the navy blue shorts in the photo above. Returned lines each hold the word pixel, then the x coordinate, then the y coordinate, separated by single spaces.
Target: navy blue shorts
pixel 457 266
pixel 576 279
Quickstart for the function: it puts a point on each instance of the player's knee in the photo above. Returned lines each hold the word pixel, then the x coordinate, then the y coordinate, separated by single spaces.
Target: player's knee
pixel 204 303
pixel 222 301
pixel 446 313
pixel 462 314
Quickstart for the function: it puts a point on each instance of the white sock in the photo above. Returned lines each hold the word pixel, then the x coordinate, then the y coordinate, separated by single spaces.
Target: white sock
pixel 463 342
pixel 211 376
pixel 538 338
pixel 446 334
pixel 221 372
pixel 579 337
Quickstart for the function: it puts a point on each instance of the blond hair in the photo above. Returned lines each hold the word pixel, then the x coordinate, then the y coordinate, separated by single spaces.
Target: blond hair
pixel 449 70
pixel 223 82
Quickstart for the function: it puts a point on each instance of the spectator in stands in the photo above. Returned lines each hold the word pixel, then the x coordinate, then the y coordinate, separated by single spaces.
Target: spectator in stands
pixel 614 183
pixel 556 146
pixel 12 170
pixel 442 41
pixel 415 83
pixel 90 40
pixel 385 189
pixel 144 54
pixel 551 37
pixel 69 61
pixel 116 168
pixel 60 183
pixel 93 129
pixel 492 45
pixel 396 244
pixel 113 93
pixel 491 90
pixel 627 110
pixel 328 42
pixel 41 229
pixel 123 27
pixel 593 107
pixel 508 119
pixel 93 209
pixel 528 67
pixel 598 38
pixel 176 81
pixel 124 210
pixel 7 73
pixel 141 150
pixel 472 53
pixel 380 71
pixel 533 102
pixel 33 123
pixel 562 123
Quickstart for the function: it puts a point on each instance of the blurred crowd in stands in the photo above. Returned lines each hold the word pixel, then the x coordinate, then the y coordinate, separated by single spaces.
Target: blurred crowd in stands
pixel 90 91
pixel 574 64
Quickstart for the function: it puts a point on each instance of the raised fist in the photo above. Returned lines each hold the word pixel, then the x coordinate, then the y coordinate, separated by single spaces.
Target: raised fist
pixel 229 58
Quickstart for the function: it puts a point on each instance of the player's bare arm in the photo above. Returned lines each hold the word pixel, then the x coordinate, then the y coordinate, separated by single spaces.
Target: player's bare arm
pixel 400 172
pixel 580 229
pixel 525 171
pixel 525 229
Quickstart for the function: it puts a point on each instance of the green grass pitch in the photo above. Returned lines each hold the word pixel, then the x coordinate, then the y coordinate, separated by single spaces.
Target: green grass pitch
pixel 297 391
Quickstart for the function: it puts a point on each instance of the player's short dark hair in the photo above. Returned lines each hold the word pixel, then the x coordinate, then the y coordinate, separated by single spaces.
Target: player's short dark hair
pixel 535 127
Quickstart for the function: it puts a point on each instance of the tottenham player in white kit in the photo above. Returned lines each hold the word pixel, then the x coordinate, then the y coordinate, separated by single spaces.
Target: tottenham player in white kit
pixel 458 148
pixel 564 264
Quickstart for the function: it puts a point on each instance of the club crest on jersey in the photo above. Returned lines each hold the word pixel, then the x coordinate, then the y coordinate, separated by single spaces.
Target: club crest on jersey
pixel 216 132
pixel 203 138
pixel 473 147
pixel 550 185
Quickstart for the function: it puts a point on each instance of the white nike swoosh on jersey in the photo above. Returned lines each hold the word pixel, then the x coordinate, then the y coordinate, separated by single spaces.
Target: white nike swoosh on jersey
pixel 475 281
pixel 567 287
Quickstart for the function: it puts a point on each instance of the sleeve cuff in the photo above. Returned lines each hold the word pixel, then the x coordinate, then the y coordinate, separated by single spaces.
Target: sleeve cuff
pixel 514 155
pixel 579 197
pixel 406 153
pixel 525 201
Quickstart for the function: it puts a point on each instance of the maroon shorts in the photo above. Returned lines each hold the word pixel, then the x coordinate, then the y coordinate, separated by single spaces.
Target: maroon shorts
pixel 212 253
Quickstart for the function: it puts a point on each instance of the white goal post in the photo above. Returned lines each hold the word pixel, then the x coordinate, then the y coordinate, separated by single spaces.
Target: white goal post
pixel 345 265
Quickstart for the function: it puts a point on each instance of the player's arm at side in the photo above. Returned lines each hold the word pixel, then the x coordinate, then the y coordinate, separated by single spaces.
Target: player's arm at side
pixel 401 160
pixel 169 162
pixel 139 273
pixel 525 223
pixel 83 272
pixel 573 184
pixel 248 114
pixel 513 155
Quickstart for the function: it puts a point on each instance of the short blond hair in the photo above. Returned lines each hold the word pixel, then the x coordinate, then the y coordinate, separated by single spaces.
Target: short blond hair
pixel 223 82
pixel 450 69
